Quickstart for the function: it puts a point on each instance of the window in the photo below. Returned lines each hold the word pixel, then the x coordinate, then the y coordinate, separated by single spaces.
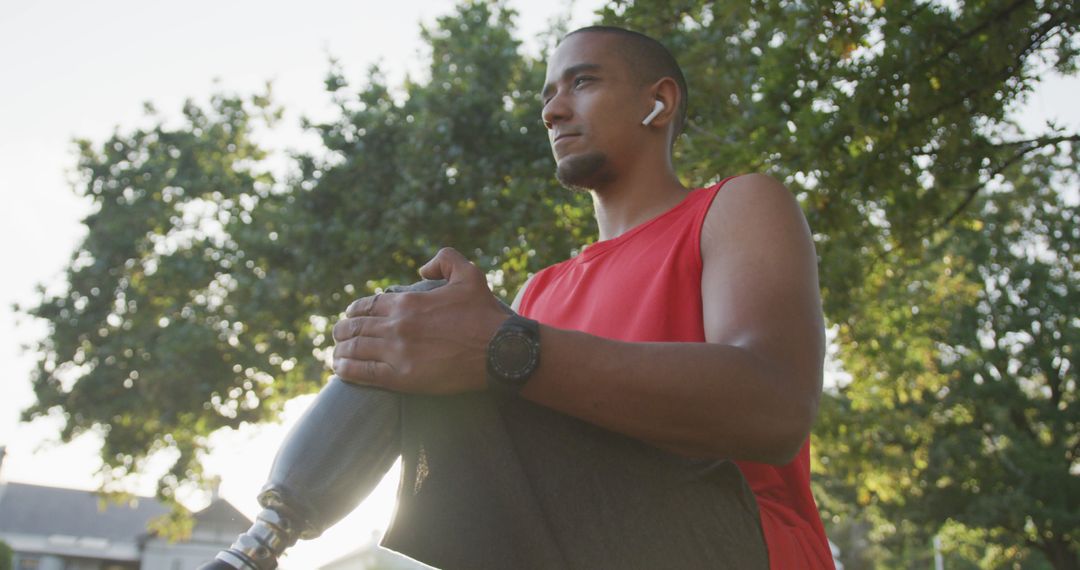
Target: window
pixel 29 563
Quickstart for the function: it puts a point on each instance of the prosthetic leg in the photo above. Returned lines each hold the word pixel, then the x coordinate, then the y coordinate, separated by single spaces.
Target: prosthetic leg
pixel 493 481
pixel 334 457
pixel 328 463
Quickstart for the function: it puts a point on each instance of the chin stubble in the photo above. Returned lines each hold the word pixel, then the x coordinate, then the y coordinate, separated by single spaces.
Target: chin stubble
pixel 583 171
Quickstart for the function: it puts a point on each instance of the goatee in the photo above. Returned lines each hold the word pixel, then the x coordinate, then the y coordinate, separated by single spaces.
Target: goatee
pixel 583 171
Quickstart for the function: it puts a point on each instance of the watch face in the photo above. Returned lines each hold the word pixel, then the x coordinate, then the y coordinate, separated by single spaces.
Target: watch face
pixel 514 355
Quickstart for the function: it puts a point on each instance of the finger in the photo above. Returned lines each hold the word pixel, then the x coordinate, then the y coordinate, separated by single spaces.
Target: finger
pixel 448 264
pixel 359 326
pixel 370 372
pixel 370 306
pixel 362 348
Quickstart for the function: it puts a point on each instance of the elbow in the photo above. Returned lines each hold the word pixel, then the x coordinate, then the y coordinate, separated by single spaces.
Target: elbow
pixel 772 449
pixel 786 451
pixel 790 435
pixel 776 441
pixel 780 450
pixel 771 428
pixel 789 415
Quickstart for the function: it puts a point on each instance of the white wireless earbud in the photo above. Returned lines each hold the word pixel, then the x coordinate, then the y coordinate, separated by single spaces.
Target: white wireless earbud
pixel 659 106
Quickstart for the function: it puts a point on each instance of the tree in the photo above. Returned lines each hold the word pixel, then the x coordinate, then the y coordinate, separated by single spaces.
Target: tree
pixel 891 124
pixel 203 293
pixel 947 247
pixel 139 347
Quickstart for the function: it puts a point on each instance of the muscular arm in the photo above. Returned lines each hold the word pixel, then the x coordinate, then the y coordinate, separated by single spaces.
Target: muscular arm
pixel 751 391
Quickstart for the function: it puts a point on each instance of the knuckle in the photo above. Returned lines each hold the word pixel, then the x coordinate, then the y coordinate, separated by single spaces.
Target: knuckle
pixel 405 368
pixel 371 371
pixel 341 368
pixel 447 252
pixel 398 347
pixel 356 371
pixel 357 327
pixel 353 348
pixel 406 302
pixel 345 329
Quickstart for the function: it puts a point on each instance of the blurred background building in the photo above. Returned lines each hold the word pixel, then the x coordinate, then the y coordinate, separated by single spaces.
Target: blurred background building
pixel 52 528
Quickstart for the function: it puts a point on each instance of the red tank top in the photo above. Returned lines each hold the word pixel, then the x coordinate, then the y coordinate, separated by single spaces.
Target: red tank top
pixel 645 286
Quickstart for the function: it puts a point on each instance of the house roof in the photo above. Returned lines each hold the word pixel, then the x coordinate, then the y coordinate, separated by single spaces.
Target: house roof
pixel 221 517
pixel 38 510
pixel 34 509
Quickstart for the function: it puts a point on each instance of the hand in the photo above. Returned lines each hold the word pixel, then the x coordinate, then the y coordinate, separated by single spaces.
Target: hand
pixel 431 342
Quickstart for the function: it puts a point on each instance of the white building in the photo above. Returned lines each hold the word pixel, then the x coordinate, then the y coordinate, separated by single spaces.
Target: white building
pixel 51 528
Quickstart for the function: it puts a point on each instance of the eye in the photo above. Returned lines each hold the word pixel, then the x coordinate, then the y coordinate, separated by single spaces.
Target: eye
pixel 579 81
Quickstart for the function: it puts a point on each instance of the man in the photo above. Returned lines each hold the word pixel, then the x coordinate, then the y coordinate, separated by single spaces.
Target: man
pixel 707 333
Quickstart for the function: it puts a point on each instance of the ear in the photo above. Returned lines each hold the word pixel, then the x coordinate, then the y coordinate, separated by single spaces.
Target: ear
pixel 667 91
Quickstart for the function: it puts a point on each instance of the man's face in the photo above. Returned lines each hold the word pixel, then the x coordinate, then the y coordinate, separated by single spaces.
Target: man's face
pixel 591 108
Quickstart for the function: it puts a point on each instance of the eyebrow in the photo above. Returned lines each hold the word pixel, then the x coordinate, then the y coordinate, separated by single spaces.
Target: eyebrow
pixel 567 73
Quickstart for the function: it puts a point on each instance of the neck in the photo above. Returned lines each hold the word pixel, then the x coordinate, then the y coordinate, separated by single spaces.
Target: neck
pixel 642 191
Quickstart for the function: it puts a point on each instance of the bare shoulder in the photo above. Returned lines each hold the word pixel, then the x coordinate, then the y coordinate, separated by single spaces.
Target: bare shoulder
pixel 759 287
pixel 759 277
pixel 747 206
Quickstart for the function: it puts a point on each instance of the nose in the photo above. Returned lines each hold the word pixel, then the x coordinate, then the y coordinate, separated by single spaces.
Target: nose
pixel 555 111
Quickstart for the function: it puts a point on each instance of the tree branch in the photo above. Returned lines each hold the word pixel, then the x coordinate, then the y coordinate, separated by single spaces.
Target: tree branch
pixel 1057 381
pixel 969 196
pixel 974 190
pixel 1005 13
pixel 1040 35
pixel 1040 141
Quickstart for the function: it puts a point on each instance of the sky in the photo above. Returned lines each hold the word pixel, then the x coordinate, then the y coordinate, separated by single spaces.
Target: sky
pixel 72 69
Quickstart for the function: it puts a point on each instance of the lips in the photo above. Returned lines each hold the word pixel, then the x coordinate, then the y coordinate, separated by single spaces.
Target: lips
pixel 561 141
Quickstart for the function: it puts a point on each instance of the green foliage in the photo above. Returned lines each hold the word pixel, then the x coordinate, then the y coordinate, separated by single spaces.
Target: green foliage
pixel 7 556
pixel 889 121
pixel 140 346
pixel 203 293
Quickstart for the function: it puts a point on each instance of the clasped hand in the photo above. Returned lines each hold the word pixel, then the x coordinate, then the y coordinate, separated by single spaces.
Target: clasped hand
pixel 431 342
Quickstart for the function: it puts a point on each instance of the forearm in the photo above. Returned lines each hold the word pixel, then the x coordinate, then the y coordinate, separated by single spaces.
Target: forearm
pixel 697 399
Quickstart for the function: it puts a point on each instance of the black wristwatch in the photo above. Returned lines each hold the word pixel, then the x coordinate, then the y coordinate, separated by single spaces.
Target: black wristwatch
pixel 513 354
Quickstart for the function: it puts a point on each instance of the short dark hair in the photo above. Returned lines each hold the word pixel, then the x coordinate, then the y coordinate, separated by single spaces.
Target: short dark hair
pixel 649 60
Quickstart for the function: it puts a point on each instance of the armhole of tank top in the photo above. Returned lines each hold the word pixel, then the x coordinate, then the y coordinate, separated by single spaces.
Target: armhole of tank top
pixel 527 296
pixel 699 223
